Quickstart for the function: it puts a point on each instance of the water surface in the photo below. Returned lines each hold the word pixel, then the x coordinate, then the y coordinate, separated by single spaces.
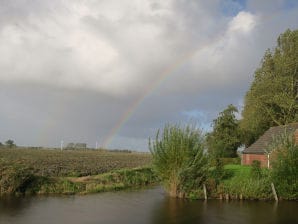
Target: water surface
pixel 142 207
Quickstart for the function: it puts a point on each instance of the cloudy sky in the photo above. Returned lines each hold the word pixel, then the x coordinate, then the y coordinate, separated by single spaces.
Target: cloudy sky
pixel 114 71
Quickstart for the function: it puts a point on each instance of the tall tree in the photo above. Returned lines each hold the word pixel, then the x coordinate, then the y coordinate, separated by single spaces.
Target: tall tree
pixel 272 98
pixel 224 140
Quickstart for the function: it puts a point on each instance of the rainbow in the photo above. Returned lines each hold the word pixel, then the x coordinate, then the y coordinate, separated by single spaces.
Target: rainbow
pixel 150 88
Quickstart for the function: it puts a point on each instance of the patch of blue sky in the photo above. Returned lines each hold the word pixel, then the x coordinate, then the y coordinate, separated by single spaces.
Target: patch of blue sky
pixel 196 114
pixel 232 7
pixel 290 4
pixel 200 117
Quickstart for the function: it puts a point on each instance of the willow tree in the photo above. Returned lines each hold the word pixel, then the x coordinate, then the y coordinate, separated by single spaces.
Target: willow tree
pixel 179 159
pixel 273 95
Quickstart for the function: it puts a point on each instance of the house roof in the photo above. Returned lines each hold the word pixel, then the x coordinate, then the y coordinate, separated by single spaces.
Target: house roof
pixel 263 142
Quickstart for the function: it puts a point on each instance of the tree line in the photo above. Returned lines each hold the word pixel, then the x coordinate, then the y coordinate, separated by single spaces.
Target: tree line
pixel 272 100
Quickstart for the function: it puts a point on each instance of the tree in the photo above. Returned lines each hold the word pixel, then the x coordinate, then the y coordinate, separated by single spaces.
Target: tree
pixel 273 96
pixel 178 158
pixel 10 143
pixel 225 139
pixel 1 145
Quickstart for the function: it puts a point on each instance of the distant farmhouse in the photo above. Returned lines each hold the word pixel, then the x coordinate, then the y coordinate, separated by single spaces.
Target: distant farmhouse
pixel 258 150
pixel 76 146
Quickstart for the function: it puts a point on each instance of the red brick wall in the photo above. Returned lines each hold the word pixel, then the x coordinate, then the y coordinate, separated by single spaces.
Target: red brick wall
pixel 248 158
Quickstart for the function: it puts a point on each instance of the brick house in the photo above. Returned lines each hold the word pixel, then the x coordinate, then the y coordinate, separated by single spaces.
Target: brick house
pixel 257 151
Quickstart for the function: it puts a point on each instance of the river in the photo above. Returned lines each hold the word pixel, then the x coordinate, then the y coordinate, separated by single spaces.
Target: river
pixel 150 206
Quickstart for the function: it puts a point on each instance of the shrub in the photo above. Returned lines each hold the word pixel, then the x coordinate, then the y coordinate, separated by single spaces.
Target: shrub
pixel 285 166
pixel 256 171
pixel 15 179
pixel 235 160
pixel 178 159
pixel 217 172
pixel 249 188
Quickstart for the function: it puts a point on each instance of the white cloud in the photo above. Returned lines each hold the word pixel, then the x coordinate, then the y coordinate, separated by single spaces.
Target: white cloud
pixel 221 60
pixel 242 22
pixel 112 47
pixel 103 46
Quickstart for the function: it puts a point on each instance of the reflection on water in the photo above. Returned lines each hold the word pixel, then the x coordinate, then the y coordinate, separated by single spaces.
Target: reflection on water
pixel 143 206
pixel 215 211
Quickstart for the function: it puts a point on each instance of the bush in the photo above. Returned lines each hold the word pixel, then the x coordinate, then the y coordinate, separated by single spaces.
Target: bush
pixel 178 159
pixel 285 167
pixel 249 188
pixel 217 172
pixel 256 171
pixel 235 161
pixel 15 179
pixel 241 182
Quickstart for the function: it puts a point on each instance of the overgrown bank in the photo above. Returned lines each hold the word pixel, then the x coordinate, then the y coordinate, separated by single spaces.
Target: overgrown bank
pixel 20 181
pixel 223 178
pixel 240 182
pixel 233 182
pixel 237 182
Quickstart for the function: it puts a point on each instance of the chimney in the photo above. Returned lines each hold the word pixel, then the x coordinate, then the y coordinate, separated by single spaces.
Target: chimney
pixel 296 136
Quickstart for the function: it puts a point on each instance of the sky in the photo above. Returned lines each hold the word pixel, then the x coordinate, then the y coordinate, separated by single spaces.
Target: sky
pixel 116 71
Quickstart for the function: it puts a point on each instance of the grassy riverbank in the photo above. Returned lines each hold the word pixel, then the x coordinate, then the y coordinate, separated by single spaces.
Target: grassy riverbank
pixel 241 183
pixel 67 172
pixel 111 181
